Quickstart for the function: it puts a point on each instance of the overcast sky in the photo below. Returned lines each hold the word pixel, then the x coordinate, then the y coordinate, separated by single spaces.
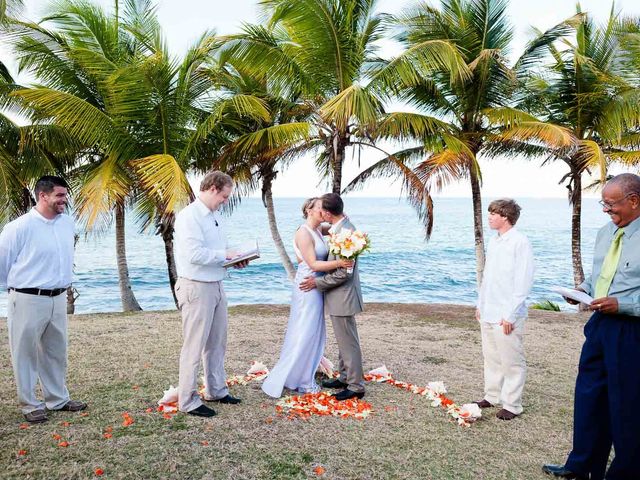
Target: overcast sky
pixel 184 21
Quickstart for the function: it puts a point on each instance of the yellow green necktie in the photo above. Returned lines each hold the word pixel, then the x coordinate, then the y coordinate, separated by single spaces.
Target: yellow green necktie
pixel 609 265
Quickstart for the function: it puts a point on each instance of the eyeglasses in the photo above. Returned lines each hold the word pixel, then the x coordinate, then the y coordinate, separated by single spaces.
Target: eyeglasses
pixel 610 205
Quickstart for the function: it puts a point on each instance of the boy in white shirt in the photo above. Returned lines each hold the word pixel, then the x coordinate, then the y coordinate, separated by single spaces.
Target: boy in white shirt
pixel 501 311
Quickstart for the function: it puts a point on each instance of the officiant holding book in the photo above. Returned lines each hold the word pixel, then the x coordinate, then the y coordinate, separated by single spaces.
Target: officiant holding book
pixel 201 252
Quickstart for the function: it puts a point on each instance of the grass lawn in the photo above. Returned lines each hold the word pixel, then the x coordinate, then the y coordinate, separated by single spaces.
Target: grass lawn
pixel 123 362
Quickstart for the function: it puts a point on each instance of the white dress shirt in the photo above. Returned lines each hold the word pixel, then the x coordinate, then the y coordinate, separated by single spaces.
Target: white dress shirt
pixel 200 243
pixel 36 252
pixel 334 228
pixel 507 279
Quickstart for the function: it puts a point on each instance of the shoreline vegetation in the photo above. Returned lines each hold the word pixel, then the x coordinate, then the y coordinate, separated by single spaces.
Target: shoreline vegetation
pixel 122 362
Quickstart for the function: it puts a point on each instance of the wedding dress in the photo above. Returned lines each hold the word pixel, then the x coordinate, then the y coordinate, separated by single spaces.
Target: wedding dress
pixel 305 338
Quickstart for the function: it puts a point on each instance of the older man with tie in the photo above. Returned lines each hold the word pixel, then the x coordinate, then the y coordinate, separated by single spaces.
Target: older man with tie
pixel 36 266
pixel 608 384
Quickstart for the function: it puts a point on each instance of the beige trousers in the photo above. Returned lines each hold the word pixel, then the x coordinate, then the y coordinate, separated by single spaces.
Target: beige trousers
pixel 204 331
pixel 350 355
pixel 38 342
pixel 505 368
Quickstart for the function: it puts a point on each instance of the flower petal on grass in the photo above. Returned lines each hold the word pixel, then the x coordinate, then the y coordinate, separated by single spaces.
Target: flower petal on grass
pixel 24 426
pixel 98 472
pixel 22 452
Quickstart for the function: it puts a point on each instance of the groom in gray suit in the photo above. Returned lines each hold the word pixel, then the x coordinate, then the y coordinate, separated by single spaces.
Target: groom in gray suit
pixel 343 300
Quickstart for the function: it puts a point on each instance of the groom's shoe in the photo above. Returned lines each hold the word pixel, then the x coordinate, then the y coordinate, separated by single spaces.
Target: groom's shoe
pixel 202 411
pixel 347 394
pixel 335 383
pixel 561 472
pixel 227 399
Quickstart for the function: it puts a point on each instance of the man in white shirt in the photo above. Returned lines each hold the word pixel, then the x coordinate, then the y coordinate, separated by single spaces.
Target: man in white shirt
pixel 506 283
pixel 200 251
pixel 36 267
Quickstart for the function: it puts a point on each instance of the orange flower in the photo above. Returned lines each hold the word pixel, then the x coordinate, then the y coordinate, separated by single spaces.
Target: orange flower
pixel 24 426
pixel 56 436
pixel 63 444
pixel 84 414
pixel 109 429
pixel 107 435
pixel 446 401
pixel 268 420
pixel 22 452
pixel 98 472
pixel 319 470
pixel 65 424
pixel 166 416
pixel 204 443
pixel 128 420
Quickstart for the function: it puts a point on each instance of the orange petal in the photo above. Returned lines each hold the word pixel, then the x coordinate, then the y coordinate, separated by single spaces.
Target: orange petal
pixel 63 444
pixel 56 436
pixel 24 426
pixel 204 442
pixel 107 435
pixel 22 452
pixel 65 424
pixel 98 472
pixel 319 470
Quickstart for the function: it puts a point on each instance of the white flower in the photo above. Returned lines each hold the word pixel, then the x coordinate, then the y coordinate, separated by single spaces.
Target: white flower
pixel 470 412
pixel 169 396
pixel 437 387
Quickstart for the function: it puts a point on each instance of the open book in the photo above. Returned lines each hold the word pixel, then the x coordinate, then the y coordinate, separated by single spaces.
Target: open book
pixel 246 251
pixel 573 294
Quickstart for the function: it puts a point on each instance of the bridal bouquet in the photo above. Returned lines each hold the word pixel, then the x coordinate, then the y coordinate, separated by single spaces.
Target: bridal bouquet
pixel 348 244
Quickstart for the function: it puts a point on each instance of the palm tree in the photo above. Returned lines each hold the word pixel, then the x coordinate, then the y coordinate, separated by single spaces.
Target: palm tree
pixel 257 148
pixel 458 119
pixel 149 117
pixel 591 89
pixel 80 62
pixel 324 52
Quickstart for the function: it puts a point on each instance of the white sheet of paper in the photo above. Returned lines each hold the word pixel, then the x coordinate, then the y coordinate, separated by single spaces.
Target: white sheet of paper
pixel 573 294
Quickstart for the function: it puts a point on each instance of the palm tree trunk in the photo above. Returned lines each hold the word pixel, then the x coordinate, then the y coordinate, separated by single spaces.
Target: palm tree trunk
pixel 477 225
pixel 267 200
pixel 127 297
pixel 72 293
pixel 576 234
pixel 165 228
pixel 337 155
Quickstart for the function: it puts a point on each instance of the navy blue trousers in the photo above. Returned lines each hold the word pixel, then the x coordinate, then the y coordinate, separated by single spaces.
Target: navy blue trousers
pixel 607 400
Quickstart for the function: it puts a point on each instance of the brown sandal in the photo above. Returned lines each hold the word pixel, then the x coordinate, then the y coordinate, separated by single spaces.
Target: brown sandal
pixel 36 416
pixel 506 415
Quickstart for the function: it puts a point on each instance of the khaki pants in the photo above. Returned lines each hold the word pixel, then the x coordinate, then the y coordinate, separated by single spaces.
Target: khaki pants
pixel 204 330
pixel 505 368
pixel 38 342
pixel 350 355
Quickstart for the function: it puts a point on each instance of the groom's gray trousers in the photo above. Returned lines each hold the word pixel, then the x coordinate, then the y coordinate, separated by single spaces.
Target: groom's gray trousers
pixel 350 355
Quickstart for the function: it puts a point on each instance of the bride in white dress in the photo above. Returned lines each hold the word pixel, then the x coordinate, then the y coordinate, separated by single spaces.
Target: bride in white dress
pixel 305 338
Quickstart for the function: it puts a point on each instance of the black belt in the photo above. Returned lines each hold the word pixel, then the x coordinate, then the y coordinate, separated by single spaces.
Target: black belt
pixel 40 291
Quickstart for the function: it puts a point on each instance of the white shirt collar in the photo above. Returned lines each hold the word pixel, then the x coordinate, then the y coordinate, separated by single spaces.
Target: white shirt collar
pixel 201 208
pixel 506 235
pixel 36 214
pixel 335 226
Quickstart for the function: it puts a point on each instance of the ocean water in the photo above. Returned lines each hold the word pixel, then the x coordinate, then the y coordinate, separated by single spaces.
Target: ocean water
pixel 401 266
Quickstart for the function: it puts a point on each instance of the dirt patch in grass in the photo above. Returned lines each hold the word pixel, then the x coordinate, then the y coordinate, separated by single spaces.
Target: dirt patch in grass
pixel 123 363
